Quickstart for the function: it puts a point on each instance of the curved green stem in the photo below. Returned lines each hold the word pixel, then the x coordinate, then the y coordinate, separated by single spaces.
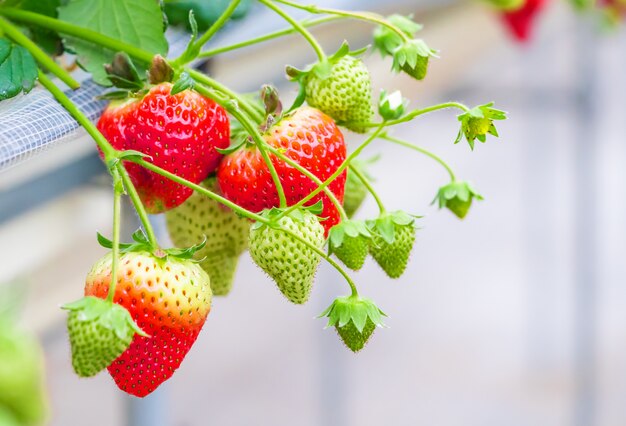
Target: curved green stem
pixel 326 257
pixel 139 208
pixel 115 250
pixel 253 131
pixel 107 150
pixel 89 127
pixel 370 188
pixel 48 63
pixel 337 172
pixel 242 103
pixel 270 36
pixel 194 47
pixel 363 16
pixel 298 27
pixel 243 212
pixel 315 179
pixel 76 31
pixel 423 151
pixel 200 189
pixel 417 112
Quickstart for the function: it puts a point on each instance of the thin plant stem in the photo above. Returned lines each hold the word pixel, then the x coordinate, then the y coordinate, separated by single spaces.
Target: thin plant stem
pixel 370 188
pixel 298 27
pixel 417 112
pixel 270 36
pixel 139 207
pixel 42 57
pixel 115 250
pixel 421 150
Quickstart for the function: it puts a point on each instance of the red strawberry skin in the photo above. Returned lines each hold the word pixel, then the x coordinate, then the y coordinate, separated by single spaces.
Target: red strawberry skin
pixel 310 138
pixel 179 132
pixel 169 300
pixel 520 22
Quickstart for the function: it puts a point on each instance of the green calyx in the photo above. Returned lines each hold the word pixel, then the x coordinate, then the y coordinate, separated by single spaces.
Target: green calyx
pixel 410 55
pixel 349 241
pixel 275 214
pixel 394 237
pixel 391 106
pixel 99 331
pixel 355 319
pixel 478 122
pixel 142 244
pixel 457 197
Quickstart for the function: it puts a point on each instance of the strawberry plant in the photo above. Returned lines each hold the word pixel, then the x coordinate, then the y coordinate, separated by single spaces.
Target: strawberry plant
pixel 230 173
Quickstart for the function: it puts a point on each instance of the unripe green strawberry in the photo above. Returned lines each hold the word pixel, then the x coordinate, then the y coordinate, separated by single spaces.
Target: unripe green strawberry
pixel 355 194
pixel 355 320
pixel 285 258
pixel 99 331
pixel 226 235
pixel 394 236
pixel 457 196
pixel 21 376
pixel 349 241
pixel 344 93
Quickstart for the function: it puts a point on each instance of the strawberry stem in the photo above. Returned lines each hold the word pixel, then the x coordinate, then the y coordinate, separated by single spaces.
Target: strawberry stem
pixel 417 112
pixel 139 207
pixel 311 176
pixel 369 187
pixel 270 36
pixel 423 151
pixel 42 57
pixel 253 131
pixel 363 16
pixel 109 152
pixel 337 172
pixel 76 31
pixel 193 50
pixel 299 28
pixel 118 188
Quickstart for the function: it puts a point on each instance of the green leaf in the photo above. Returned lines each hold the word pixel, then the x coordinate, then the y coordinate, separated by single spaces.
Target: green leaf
pixel 206 12
pixel 18 70
pixel 136 22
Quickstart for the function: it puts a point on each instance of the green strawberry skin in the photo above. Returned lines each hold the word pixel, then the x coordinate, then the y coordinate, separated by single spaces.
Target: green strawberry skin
pixel 95 347
pixel 353 339
pixel 354 194
pixel 21 376
pixel 393 258
pixel 289 262
pixel 345 95
pixel 459 207
pixel 353 251
pixel 226 235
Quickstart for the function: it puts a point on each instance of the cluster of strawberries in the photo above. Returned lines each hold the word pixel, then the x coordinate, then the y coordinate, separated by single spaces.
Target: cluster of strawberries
pixel 283 196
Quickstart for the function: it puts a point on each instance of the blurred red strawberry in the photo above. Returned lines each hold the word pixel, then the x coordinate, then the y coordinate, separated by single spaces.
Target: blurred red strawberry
pixel 521 21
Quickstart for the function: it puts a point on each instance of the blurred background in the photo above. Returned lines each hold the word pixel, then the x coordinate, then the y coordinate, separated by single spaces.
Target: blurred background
pixel 514 316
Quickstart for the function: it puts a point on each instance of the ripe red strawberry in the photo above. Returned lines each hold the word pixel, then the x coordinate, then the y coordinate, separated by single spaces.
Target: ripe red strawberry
pixel 169 298
pixel 520 22
pixel 307 136
pixel 179 132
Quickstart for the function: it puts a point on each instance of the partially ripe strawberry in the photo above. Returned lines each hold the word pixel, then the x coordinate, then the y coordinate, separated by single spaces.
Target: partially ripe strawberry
pixel 99 332
pixel 308 137
pixel 394 236
pixel 350 241
pixel 178 132
pixel 226 235
pixel 285 258
pixel 169 298
pixel 342 91
pixel 355 319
